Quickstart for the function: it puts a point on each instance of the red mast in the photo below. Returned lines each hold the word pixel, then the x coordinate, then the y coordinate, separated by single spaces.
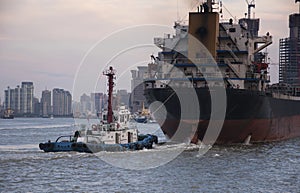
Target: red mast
pixel 110 74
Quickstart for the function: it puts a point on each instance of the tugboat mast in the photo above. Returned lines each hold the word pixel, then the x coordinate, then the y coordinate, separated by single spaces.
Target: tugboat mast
pixel 110 73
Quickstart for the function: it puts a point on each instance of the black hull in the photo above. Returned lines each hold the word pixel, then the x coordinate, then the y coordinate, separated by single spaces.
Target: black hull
pixel 248 113
pixel 8 117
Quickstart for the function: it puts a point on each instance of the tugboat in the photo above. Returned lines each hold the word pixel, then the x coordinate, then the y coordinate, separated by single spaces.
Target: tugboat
pixel 110 135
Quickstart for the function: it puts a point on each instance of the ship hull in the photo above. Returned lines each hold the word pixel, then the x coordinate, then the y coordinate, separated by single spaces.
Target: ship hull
pixel 253 115
pixel 8 117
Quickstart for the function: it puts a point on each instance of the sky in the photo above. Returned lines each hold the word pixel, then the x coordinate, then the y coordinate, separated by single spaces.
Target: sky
pixel 67 44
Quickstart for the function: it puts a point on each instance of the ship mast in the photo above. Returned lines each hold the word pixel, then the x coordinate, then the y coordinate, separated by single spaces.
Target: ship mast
pixel 208 6
pixel 110 73
pixel 250 5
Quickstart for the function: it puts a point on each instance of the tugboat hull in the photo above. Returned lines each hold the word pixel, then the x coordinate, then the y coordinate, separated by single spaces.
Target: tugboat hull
pixel 145 141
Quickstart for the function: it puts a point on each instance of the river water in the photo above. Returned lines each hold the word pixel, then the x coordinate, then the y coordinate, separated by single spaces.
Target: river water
pixel 272 167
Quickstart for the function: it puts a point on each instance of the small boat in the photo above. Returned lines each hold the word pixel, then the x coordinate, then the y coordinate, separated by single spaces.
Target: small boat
pixel 8 114
pixel 142 116
pixel 111 134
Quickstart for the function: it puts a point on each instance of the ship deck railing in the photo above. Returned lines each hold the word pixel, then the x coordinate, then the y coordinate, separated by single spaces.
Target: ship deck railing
pixel 204 78
pixel 193 62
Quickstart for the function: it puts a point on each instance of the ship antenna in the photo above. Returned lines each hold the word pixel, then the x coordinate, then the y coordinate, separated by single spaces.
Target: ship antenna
pixel 110 73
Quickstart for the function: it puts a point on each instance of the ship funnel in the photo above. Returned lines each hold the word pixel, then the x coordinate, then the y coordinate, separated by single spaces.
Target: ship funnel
pixel 204 27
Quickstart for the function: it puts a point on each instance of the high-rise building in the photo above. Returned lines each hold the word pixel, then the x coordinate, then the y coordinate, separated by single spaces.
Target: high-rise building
pixel 8 98
pixel 123 97
pixel 98 102
pixel 27 98
pixel 1 105
pixel 36 107
pixel 76 109
pixel 68 104
pixel 137 98
pixel 17 98
pixel 46 103
pixel 289 54
pixel 85 102
pixel 20 99
pixel 62 102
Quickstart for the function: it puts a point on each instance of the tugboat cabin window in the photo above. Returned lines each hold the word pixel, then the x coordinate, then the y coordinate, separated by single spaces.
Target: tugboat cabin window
pixel 232 30
pixel 104 117
pixel 122 118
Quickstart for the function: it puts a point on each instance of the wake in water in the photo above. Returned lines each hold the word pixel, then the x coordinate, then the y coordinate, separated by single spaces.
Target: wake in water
pixel 24 147
pixel 149 158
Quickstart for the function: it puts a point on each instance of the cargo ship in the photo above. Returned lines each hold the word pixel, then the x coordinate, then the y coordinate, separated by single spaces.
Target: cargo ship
pixel 210 83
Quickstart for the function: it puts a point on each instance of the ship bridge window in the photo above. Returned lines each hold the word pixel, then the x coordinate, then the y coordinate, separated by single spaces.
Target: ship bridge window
pixel 232 30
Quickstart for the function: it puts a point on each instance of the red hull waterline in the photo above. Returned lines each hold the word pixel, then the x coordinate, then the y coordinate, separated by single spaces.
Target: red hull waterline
pixel 238 131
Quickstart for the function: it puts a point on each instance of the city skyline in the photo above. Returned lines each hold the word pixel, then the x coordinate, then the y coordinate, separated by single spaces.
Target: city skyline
pixel 58 102
pixel 50 53
pixel 22 101
pixel 50 90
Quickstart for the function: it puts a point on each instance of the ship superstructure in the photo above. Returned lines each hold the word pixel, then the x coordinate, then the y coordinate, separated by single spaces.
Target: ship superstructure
pixel 236 48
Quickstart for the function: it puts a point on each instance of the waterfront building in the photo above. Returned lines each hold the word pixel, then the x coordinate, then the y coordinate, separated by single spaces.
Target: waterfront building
pixel 62 102
pixel 98 101
pixel 46 103
pixel 20 99
pixel 36 107
pixel 7 98
pixel 137 99
pixel 1 105
pixel 76 109
pixel 289 54
pixel 85 103
pixel 27 98
pixel 68 104
pixel 123 97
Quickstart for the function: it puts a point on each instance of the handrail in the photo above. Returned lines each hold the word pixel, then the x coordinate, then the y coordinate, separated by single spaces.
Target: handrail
pixel 70 137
